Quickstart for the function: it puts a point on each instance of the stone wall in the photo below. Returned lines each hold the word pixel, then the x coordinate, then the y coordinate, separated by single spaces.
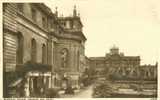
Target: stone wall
pixel 73 49
pixel 22 22
pixel 10 38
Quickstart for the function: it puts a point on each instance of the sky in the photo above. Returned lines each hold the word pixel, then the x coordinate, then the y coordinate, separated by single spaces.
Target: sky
pixel 131 25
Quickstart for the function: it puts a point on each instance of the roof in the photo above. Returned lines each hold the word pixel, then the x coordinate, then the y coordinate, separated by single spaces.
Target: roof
pixel 44 8
pixel 97 58
pixel 70 18
pixel 118 57
pixel 87 58
pixel 131 57
pixel 80 34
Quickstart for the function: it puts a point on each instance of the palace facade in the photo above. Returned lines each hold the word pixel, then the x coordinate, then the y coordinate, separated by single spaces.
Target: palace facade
pixel 125 76
pixel 117 66
pixel 41 49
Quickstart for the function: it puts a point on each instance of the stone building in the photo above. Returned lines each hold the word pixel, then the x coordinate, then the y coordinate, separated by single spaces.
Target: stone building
pixel 48 48
pixel 69 50
pixel 118 66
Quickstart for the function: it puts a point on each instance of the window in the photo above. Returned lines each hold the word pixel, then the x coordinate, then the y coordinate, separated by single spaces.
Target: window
pixel 44 57
pixel 20 7
pixel 34 13
pixel 33 50
pixel 44 22
pixel 19 53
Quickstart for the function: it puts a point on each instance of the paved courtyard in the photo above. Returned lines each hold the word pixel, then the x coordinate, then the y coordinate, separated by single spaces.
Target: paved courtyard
pixel 86 93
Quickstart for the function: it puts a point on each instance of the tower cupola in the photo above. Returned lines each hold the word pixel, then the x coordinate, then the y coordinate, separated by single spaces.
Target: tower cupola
pixel 114 50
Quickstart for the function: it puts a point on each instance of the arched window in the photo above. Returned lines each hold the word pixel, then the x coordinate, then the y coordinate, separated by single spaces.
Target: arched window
pixel 19 53
pixel 64 57
pixel 44 57
pixel 33 50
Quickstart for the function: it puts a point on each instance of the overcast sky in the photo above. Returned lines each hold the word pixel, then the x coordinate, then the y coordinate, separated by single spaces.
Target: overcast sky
pixel 132 25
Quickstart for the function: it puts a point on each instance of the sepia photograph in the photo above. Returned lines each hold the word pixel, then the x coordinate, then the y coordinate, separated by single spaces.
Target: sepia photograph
pixel 81 49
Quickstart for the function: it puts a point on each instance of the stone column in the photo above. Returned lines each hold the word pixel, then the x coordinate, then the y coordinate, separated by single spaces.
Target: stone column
pixel 44 80
pixel 138 73
pixel 51 42
pixel 149 73
pixel 49 52
pixel 53 63
pixel 31 84
pixel 145 74
pixel 123 71
pixel 49 84
pixel 155 72
pixel 131 73
pixel 51 55
pixel 26 88
pixel 52 81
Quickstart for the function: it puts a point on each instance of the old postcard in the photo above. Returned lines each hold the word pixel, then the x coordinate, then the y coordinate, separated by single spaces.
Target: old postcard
pixel 81 49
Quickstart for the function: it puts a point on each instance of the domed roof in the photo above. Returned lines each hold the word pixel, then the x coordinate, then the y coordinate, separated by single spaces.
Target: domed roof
pixel 114 47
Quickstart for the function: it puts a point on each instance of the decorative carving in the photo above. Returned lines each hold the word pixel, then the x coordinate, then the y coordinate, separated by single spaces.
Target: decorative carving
pixel 64 54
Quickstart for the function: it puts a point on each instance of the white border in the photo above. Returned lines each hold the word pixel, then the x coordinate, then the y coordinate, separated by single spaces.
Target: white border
pixel 1 60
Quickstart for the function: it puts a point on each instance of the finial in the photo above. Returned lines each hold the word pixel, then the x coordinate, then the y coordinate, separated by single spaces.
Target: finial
pixel 114 46
pixel 61 15
pixel 157 63
pixel 74 7
pixel 56 12
pixel 79 14
pixel 74 11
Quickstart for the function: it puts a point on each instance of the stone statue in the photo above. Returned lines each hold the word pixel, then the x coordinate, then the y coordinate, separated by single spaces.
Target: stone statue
pixel 64 58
